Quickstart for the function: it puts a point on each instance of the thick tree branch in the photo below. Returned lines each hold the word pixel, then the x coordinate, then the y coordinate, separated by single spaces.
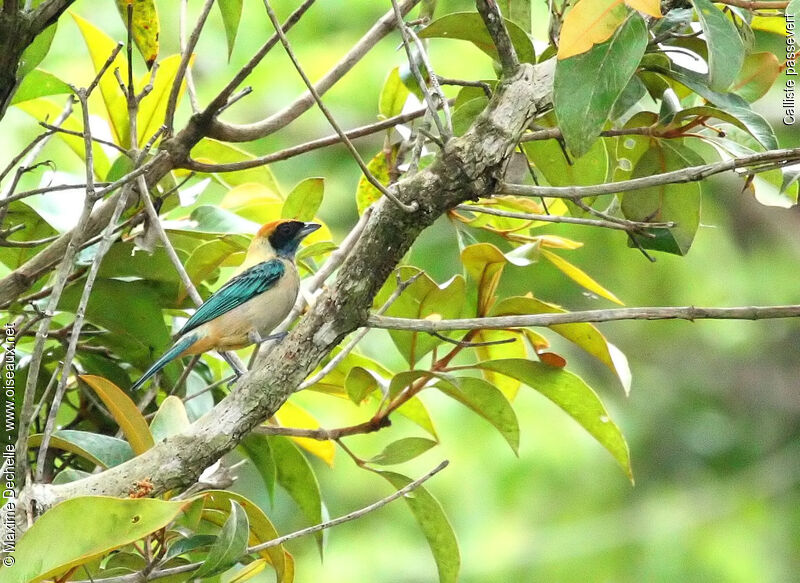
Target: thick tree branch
pixel 468 168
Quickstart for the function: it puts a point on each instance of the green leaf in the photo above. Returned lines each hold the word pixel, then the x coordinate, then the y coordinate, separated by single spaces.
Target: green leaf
pixel 469 26
pixel 359 383
pixel 186 545
pixel 508 386
pixel 549 159
pixel 104 524
pixel 758 74
pixel 487 401
pixel 261 529
pixel 103 450
pixel 434 524
pixel 69 475
pixel 668 202
pixel 579 276
pixel 586 86
pixel 423 298
pixel 465 115
pixel 204 262
pixel 630 96
pixel 35 227
pixel 215 152
pixel 170 419
pixel 394 95
pixel 37 50
pixel 380 167
pixel 153 108
pixel 258 450
pixel 296 476
pixel 518 12
pixel 230 545
pixel 231 16
pixel 213 219
pixel 144 27
pixel 402 450
pixel 304 200
pixel 575 397
pixel 124 411
pixel 39 83
pixel 725 48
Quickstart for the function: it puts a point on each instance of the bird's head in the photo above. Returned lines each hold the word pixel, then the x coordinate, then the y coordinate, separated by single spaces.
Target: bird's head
pixel 279 238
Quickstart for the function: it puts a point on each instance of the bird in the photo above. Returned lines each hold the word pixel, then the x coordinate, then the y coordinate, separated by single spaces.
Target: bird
pixel 247 308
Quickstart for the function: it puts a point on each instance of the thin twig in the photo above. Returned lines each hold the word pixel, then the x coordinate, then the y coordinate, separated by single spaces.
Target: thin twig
pixel 348 348
pixel 754 162
pixel 490 13
pixel 172 101
pixel 407 207
pixel 245 133
pixel 55 128
pixel 650 313
pixel 626 225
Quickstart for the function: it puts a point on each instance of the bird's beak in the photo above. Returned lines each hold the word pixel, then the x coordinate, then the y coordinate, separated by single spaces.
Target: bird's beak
pixel 308 229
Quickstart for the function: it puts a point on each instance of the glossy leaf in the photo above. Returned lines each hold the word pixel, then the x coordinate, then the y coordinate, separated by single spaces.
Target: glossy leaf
pixel 669 202
pixel 394 95
pixel 434 524
pixel 104 524
pixel 191 543
pixel 103 450
pixel 579 276
pixel 230 545
pixel 292 415
pixel 124 411
pixel 144 25
pixel 586 86
pixel 231 16
pixel 304 200
pixel 587 23
pixel 170 419
pixel 37 50
pixel 39 83
pixel 296 476
pixel 575 397
pixel 469 26
pixel 402 450
pixel 725 48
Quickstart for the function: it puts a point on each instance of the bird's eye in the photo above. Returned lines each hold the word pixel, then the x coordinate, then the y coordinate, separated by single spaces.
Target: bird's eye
pixel 284 229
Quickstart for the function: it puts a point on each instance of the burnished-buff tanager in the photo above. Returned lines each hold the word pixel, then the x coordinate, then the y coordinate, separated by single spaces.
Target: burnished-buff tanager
pixel 247 308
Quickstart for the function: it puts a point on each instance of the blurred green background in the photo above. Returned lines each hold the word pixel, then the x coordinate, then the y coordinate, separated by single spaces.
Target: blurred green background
pixel 713 418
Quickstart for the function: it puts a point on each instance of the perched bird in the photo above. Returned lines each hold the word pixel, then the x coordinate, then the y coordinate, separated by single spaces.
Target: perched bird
pixel 246 309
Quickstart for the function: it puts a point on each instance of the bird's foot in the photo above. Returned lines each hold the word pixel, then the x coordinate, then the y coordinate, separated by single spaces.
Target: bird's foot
pixel 256 338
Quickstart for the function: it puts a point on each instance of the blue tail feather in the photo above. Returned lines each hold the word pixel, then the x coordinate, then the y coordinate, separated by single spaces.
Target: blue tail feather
pixel 168 357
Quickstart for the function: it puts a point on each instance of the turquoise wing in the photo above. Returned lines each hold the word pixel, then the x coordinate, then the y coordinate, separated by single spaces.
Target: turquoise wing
pixel 243 287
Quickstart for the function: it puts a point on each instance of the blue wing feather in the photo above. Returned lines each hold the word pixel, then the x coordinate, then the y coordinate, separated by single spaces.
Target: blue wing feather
pixel 243 287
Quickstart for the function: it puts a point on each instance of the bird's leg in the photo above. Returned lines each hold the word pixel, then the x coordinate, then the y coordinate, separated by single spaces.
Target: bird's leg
pixel 256 338
pixel 237 370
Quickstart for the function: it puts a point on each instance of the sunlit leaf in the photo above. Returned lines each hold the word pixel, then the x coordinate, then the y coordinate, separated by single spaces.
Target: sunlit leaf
pixel 575 397
pixel 249 571
pixel 758 74
pixel 170 419
pixel 579 276
pixel 292 415
pixel 394 95
pixel 649 7
pixel 304 200
pixel 153 108
pixel 124 411
pixel 231 16
pixel 144 25
pixel 484 263
pixel 37 50
pixel 380 167
pixel 212 151
pixel 586 86
pixel 104 524
pixel 434 524
pixel 515 349
pixel 589 22
pixel 402 450
pixel 39 83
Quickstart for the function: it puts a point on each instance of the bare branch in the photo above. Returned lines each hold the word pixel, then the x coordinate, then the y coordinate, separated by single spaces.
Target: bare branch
pixel 408 207
pixel 754 163
pixel 244 133
pixel 655 313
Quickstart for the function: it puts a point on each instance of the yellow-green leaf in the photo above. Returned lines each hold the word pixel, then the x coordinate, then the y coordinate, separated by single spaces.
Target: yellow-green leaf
pixel 484 263
pixel 304 200
pixel 649 7
pixel 102 523
pixel 124 411
pixel 144 26
pixel 153 107
pixel 291 415
pixel 170 419
pixel 579 276
pixel 380 167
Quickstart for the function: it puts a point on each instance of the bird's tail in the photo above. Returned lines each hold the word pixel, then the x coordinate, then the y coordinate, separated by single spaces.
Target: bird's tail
pixel 168 357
